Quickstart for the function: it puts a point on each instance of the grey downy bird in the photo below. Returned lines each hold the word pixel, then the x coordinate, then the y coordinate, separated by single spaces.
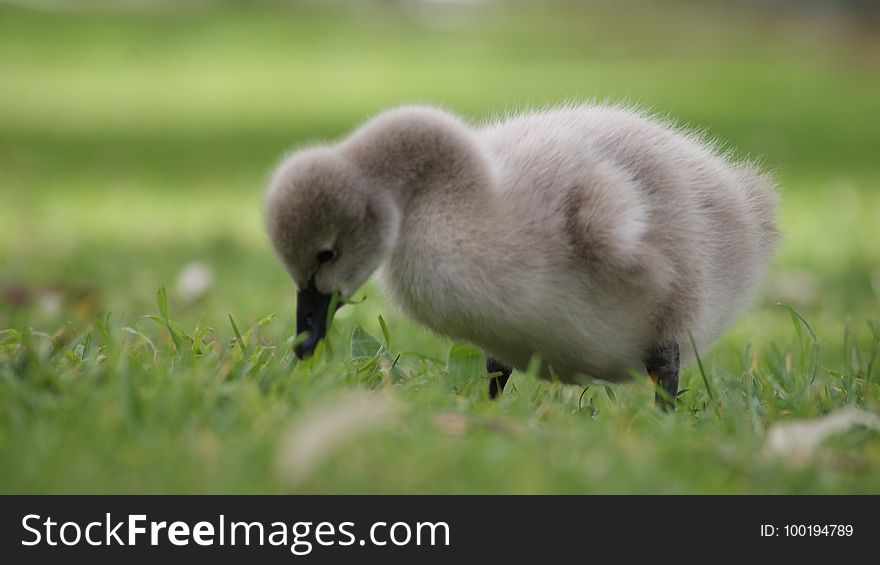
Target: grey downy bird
pixel 595 237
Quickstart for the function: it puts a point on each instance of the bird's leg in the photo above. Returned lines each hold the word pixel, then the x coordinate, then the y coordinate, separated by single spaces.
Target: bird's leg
pixel 496 380
pixel 662 364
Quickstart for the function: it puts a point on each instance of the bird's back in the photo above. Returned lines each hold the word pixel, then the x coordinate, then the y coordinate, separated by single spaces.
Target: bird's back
pixel 689 229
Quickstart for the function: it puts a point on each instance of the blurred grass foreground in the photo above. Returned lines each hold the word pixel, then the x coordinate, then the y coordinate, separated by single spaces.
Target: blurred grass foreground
pixel 135 141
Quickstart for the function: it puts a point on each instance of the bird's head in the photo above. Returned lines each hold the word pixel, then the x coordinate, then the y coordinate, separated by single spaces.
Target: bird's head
pixel 331 229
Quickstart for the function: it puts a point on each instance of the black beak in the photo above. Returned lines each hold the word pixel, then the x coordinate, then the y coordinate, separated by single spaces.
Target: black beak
pixel 312 310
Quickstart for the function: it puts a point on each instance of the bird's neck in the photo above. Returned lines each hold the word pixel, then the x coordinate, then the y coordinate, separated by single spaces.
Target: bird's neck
pixel 430 161
pixel 441 179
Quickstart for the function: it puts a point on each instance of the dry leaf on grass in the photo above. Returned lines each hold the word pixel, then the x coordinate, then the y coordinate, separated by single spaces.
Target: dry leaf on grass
pixel 451 424
pixel 797 441
pixel 457 425
pixel 194 282
pixel 327 427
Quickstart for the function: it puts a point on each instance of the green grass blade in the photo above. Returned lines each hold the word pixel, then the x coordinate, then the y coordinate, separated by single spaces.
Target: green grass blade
pixel 385 333
pixel 701 368
pixel 802 320
pixel 240 340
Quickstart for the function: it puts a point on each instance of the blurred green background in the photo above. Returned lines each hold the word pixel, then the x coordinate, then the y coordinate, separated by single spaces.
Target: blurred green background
pixel 136 139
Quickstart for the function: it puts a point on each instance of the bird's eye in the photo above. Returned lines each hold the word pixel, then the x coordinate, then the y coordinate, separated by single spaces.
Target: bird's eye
pixel 326 256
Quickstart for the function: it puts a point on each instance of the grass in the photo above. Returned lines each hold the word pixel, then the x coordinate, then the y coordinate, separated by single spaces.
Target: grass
pixel 134 143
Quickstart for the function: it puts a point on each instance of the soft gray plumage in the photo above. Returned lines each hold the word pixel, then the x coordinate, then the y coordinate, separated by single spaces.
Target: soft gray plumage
pixel 584 234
